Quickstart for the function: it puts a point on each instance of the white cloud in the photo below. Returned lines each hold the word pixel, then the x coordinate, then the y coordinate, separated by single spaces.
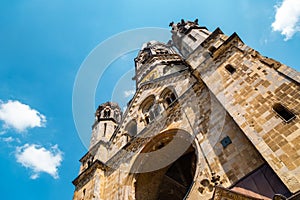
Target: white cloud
pixel 8 139
pixel 128 93
pixel 20 116
pixel 39 159
pixel 287 18
pixel 11 140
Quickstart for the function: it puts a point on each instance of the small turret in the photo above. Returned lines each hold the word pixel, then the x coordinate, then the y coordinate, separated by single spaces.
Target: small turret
pixel 107 118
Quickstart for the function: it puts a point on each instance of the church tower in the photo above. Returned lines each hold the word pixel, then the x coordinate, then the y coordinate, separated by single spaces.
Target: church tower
pixel 91 174
pixel 211 118
pixel 107 118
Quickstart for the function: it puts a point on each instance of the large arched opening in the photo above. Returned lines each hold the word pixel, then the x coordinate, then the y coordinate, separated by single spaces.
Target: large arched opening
pixel 171 182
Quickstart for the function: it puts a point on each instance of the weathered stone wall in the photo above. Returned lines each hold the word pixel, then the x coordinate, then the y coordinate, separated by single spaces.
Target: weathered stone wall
pixel 91 186
pixel 211 124
pixel 249 94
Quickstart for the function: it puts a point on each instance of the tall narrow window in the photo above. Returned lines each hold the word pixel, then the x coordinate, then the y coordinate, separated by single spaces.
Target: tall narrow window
pixel 147 119
pixel 230 68
pixel 283 112
pixel 104 132
pixel 192 37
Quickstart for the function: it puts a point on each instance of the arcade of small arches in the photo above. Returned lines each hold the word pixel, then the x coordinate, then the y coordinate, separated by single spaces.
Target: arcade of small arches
pixel 107 112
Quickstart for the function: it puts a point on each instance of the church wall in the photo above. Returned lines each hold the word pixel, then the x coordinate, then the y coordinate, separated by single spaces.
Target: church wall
pixel 249 94
pixel 231 163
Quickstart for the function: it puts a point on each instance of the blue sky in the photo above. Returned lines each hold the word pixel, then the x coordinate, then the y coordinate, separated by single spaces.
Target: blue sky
pixel 42 46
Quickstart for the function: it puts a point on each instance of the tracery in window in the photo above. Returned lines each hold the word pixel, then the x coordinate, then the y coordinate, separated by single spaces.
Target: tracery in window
pixel 169 97
pixel 147 109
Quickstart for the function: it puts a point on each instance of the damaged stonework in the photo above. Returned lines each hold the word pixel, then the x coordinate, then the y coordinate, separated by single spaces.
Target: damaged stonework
pixel 211 118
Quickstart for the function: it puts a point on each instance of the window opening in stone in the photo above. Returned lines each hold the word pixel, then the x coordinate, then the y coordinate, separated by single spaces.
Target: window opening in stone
pixel 106 113
pixel 212 49
pixel 192 37
pixel 169 97
pixel 283 112
pixel 147 109
pixel 226 141
pixel 104 132
pixel 147 119
pixel 230 69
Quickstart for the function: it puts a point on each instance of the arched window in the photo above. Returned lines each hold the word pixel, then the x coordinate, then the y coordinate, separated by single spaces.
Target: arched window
pixel 169 97
pixel 147 109
pixel 106 113
pixel 83 192
pixel 89 163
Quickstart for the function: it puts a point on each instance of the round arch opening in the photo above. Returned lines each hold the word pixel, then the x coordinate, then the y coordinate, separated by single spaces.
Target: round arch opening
pixel 171 182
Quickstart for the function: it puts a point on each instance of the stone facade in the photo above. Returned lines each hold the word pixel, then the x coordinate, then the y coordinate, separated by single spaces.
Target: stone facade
pixel 211 119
